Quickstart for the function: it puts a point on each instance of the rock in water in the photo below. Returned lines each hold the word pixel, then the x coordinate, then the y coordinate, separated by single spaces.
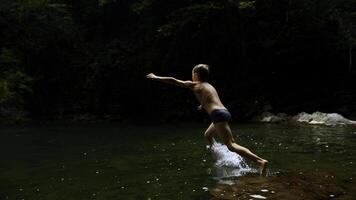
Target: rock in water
pixel 319 118
pixel 316 118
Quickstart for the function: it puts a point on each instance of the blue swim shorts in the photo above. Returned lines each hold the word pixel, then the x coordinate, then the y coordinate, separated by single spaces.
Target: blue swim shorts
pixel 220 115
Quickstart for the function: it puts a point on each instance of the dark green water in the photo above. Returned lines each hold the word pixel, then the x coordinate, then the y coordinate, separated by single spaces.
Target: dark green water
pixel 112 161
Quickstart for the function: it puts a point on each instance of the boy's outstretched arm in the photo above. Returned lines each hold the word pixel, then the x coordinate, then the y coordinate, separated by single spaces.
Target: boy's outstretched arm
pixel 171 80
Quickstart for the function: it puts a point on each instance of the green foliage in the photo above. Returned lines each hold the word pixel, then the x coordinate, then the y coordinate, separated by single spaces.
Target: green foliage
pixel 87 56
pixel 195 15
pixel 8 60
pixel 141 6
pixel 13 85
pixel 105 2
pixel 343 14
pixel 247 5
pixel 41 20
pixel 13 82
pixel 5 93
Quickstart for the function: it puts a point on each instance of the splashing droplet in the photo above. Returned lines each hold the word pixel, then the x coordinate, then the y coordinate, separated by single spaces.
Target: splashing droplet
pixel 257 196
pixel 228 163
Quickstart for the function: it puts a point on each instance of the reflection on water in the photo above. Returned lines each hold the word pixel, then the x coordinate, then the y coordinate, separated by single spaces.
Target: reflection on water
pixel 110 161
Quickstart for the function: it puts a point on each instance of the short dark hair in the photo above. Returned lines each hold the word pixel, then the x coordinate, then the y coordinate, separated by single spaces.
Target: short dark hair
pixel 202 70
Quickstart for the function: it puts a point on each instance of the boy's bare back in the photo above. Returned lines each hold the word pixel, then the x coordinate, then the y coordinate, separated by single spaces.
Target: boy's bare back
pixel 207 96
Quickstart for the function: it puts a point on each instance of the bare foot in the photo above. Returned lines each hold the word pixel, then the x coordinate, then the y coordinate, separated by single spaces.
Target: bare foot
pixel 263 167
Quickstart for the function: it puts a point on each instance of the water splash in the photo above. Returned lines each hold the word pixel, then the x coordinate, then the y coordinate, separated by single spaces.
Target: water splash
pixel 227 163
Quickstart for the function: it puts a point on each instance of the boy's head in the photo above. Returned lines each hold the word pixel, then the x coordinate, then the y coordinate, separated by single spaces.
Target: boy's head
pixel 200 72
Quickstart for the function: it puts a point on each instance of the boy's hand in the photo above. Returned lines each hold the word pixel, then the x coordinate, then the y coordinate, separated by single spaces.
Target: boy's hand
pixel 151 76
pixel 200 107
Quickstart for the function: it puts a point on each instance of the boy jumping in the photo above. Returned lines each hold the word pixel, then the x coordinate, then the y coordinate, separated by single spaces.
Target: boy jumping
pixel 210 102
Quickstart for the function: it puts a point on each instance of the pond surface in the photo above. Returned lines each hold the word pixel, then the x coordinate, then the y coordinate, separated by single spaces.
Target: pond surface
pixel 113 161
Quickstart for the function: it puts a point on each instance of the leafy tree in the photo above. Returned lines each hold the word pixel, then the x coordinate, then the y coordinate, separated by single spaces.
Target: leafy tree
pixel 14 86
pixel 60 57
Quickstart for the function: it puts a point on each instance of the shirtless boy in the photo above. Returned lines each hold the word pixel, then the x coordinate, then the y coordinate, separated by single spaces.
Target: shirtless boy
pixel 210 102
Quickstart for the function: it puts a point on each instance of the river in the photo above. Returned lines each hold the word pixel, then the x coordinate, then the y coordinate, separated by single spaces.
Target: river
pixel 116 161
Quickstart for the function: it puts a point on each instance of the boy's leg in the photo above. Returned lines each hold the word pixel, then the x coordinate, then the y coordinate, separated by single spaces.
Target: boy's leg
pixel 210 133
pixel 224 131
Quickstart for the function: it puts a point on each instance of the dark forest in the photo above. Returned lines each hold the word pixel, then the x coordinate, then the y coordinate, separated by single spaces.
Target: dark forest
pixel 88 59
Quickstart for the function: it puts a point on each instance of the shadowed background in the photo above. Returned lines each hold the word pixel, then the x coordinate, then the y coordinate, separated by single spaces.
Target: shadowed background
pixel 87 59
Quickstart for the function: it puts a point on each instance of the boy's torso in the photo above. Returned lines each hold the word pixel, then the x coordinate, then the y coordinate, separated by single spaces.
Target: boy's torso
pixel 207 96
